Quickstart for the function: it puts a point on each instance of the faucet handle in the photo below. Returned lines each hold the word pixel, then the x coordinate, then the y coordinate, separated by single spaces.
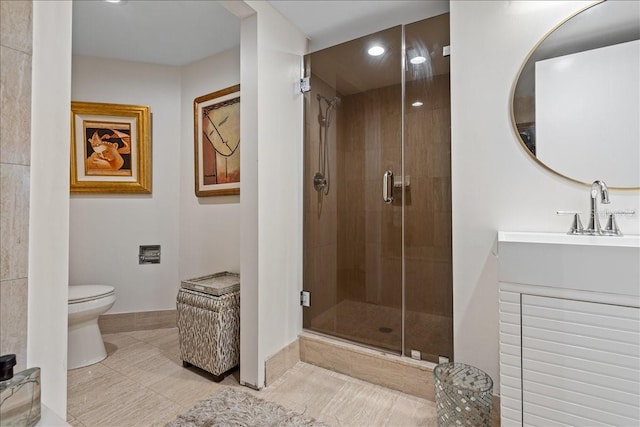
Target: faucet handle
pixel 576 225
pixel 567 212
pixel 625 212
pixel 612 226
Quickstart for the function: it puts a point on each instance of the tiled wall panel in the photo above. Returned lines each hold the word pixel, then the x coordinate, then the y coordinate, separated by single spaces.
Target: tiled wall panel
pixel 15 145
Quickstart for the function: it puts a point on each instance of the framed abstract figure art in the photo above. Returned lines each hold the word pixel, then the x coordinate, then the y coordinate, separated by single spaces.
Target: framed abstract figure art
pixel 217 143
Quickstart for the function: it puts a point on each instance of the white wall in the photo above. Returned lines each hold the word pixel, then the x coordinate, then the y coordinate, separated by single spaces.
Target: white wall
pixel 496 185
pixel 280 50
pixel 106 230
pixel 588 107
pixel 272 50
pixel 209 226
pixel 49 201
pixel 249 331
pixel 198 235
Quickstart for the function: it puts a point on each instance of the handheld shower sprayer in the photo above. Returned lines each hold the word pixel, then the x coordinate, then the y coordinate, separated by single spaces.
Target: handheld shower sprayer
pixel 325 119
pixel 321 180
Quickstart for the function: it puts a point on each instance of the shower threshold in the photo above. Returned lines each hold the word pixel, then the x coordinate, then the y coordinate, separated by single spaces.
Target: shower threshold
pixel 374 365
pixel 349 341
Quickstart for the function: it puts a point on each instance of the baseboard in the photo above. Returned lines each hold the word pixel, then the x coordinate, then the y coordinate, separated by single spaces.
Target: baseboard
pixel 495 411
pixel 138 321
pixel 281 362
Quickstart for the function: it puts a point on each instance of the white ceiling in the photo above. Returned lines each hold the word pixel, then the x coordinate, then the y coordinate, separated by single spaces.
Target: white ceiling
pixel 329 22
pixel 174 32
pixel 158 32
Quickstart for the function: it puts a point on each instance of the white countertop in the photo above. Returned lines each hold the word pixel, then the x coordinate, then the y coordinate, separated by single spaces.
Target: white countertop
pixel 602 264
pixel 568 239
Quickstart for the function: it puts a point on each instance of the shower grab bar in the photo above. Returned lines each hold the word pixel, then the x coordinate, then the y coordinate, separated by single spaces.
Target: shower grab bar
pixel 387 187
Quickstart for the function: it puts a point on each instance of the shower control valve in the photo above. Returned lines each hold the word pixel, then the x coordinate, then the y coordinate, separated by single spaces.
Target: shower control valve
pixel 319 182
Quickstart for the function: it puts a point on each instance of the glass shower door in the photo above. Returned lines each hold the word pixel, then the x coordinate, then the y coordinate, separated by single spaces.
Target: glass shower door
pixel 377 191
pixel 352 191
pixel 428 287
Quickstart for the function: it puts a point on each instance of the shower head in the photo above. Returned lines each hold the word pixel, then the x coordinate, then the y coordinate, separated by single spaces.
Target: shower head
pixel 333 102
pixel 325 119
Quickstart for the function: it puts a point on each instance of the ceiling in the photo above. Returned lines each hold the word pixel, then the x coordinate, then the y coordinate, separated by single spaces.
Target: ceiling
pixel 157 32
pixel 181 32
pixel 329 22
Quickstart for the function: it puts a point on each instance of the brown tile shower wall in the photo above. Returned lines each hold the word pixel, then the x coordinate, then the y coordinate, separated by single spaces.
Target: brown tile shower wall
pixel 15 145
pixel 370 246
pixel 374 233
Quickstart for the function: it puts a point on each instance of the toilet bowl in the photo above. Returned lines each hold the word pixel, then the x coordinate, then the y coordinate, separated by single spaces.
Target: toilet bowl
pixel 87 302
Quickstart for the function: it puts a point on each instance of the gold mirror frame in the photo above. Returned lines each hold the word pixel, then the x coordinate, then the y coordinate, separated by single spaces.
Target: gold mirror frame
pixel 512 99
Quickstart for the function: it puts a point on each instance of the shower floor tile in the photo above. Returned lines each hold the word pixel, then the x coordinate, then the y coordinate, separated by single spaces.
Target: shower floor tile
pixel 380 326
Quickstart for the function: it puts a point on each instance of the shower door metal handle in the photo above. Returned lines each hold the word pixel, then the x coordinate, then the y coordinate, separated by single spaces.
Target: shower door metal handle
pixel 387 187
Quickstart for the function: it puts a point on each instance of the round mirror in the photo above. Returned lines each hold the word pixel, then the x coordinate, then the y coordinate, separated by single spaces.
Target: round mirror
pixel 576 101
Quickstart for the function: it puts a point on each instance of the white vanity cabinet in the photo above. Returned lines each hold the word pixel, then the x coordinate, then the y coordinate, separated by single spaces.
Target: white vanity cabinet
pixel 569 330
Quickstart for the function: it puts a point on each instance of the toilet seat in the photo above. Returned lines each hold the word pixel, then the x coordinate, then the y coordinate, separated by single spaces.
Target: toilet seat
pixel 84 293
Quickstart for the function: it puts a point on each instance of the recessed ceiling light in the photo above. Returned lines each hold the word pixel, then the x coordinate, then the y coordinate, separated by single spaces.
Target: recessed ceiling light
pixel 115 1
pixel 417 104
pixel 417 60
pixel 376 50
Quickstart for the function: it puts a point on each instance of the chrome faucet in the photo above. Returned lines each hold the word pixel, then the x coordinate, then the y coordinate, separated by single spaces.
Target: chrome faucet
pixel 598 186
pixel 594 228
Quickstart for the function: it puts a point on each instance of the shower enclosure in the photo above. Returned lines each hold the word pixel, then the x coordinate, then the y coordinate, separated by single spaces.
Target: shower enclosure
pixel 377 191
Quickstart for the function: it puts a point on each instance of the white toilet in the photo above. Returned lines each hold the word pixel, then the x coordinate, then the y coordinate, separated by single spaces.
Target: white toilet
pixel 86 303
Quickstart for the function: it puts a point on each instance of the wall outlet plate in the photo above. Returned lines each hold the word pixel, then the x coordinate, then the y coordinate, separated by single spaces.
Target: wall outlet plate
pixel 415 354
pixel 443 359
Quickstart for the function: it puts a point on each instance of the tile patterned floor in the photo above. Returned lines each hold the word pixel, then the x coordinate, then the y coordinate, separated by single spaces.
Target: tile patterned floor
pixel 142 382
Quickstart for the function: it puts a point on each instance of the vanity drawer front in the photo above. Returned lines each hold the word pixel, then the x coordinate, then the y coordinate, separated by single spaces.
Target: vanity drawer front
pixel 580 362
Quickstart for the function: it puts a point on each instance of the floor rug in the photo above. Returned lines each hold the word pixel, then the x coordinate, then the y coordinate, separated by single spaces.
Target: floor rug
pixel 232 407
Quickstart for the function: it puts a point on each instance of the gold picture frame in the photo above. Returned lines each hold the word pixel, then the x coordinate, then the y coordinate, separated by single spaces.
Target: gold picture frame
pixel 217 143
pixel 110 148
